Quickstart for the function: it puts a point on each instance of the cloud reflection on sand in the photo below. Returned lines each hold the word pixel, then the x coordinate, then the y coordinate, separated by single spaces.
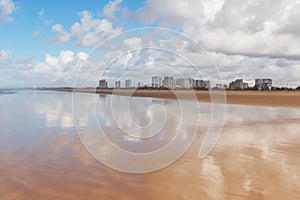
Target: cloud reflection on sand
pixel 257 156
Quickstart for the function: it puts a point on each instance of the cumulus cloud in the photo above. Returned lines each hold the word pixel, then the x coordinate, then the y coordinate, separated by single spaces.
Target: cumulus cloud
pixel 169 13
pixel 251 28
pixel 109 11
pixel 291 24
pixel 62 36
pixel 133 43
pixel 7 7
pixel 65 57
pixel 59 70
pixel 88 32
pixel 54 70
pixel 51 61
pixel 82 56
pixel 4 54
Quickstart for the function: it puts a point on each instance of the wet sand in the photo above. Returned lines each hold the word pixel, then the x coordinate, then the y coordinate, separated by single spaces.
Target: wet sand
pixel 260 98
pixel 245 165
pixel 41 157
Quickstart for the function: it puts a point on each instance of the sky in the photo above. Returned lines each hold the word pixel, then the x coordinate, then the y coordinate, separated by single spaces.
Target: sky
pixel 76 43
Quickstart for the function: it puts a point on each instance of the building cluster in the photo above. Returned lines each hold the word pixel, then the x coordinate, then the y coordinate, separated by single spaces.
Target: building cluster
pixel 170 82
pixel 239 84
pixel 263 84
pixel 103 84
pixel 158 82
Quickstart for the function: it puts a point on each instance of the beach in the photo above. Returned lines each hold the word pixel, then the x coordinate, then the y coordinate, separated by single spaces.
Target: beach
pixel 259 98
pixel 42 157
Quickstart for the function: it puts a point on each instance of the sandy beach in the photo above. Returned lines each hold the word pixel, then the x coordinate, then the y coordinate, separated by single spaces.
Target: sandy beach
pixel 259 98
pixel 254 174
pixel 42 157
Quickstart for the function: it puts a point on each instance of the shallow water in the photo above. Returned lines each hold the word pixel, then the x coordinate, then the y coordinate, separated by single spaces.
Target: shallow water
pixel 41 157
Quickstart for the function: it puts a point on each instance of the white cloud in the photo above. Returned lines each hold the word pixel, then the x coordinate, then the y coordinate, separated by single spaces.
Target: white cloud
pixel 90 32
pixel 64 58
pixel 57 70
pixel 52 71
pixel 4 54
pixel 211 8
pixel 62 36
pixel 253 28
pixel 291 24
pixel 133 43
pixel 169 13
pixel 82 56
pixel 176 14
pixel 52 61
pixel 111 8
pixel 7 7
pixel 262 43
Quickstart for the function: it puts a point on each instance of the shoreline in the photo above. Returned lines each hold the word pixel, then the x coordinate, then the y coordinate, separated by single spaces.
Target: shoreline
pixel 257 98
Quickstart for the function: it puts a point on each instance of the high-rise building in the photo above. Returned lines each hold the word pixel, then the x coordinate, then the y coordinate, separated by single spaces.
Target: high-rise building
pixel 190 83
pixel 140 84
pixel 128 83
pixel 263 84
pixel 199 83
pixel 207 84
pixel 102 84
pixel 168 82
pixel 184 82
pixel 237 84
pixel 156 81
pixel 118 84
pixel 181 83
pixel 267 84
pixel 258 82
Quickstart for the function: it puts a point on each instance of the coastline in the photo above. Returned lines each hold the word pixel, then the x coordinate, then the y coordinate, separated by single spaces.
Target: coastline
pixel 42 156
pixel 257 98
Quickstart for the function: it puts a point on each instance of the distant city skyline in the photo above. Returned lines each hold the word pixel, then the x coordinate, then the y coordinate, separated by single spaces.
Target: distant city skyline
pixel 172 83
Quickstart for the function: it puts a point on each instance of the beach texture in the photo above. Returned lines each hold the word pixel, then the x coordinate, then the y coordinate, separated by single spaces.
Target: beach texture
pixel 259 98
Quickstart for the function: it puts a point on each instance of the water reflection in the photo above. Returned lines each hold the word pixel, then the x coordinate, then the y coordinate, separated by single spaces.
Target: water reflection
pixel 130 127
pixel 257 156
